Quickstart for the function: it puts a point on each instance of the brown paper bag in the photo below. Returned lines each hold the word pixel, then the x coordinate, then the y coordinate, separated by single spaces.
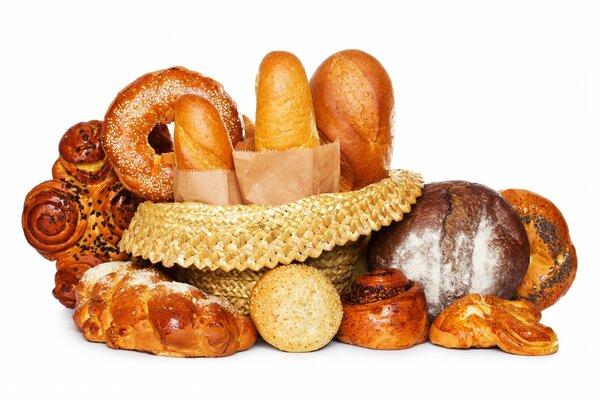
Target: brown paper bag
pixel 209 187
pixel 279 177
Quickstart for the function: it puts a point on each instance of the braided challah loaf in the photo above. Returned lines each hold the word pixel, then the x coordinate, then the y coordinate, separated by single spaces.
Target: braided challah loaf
pixel 135 308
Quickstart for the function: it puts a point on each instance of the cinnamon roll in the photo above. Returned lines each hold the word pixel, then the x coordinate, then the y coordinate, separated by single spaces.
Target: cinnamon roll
pixel 384 310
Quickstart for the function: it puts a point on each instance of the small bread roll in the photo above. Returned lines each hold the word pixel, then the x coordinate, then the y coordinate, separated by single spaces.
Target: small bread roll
pixel 384 310
pixel 296 308
pixel 354 102
pixel 200 137
pixel 284 110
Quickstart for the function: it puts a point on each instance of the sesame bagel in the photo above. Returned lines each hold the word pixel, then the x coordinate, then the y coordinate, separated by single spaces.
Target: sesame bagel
pixel 149 101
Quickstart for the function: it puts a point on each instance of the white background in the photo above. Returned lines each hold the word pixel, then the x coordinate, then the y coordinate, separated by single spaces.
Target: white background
pixel 502 93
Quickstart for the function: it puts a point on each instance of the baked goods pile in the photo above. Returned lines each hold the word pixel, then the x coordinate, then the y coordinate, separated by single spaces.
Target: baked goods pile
pixel 138 108
pixel 293 228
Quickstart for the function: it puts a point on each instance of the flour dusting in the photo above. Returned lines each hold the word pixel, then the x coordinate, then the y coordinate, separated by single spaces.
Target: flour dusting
pixel 466 265
pixel 422 255
pixel 94 274
pixel 175 287
pixel 145 277
pixel 485 258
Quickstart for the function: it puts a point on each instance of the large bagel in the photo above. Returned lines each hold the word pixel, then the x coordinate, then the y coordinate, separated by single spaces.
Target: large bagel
pixel 553 260
pixel 149 101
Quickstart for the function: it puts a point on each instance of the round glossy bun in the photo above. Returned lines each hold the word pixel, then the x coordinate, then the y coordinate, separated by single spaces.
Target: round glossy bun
pixel 384 310
pixel 296 308
pixel 459 238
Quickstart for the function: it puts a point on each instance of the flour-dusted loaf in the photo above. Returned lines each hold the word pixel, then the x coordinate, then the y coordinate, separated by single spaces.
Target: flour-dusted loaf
pixel 459 238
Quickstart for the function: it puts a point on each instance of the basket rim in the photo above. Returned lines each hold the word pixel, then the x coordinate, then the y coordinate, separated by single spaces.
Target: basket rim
pixel 241 237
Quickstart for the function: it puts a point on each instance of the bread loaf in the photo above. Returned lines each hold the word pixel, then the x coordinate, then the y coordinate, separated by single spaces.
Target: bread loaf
pixel 284 109
pixel 354 101
pixel 135 308
pixel 201 139
pixel 459 238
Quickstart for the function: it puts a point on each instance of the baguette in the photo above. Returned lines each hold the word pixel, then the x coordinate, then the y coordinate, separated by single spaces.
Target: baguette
pixel 284 110
pixel 200 137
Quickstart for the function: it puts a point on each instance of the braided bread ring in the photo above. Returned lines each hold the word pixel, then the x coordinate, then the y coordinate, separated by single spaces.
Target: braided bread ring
pixel 149 101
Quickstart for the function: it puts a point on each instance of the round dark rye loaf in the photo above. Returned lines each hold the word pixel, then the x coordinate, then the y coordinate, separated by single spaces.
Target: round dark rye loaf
pixel 459 238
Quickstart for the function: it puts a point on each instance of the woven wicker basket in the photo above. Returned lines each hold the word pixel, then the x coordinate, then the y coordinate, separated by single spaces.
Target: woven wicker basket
pixel 225 249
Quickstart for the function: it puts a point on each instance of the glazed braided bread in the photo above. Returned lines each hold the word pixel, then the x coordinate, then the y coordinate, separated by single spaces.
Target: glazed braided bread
pixel 135 308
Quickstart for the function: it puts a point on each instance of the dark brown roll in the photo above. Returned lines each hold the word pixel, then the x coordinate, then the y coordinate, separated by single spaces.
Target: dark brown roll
pixel 459 238
pixel 81 143
pixel 384 310
pixel 81 155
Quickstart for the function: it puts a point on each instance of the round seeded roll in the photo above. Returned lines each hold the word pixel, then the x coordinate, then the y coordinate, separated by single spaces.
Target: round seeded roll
pixel 295 308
